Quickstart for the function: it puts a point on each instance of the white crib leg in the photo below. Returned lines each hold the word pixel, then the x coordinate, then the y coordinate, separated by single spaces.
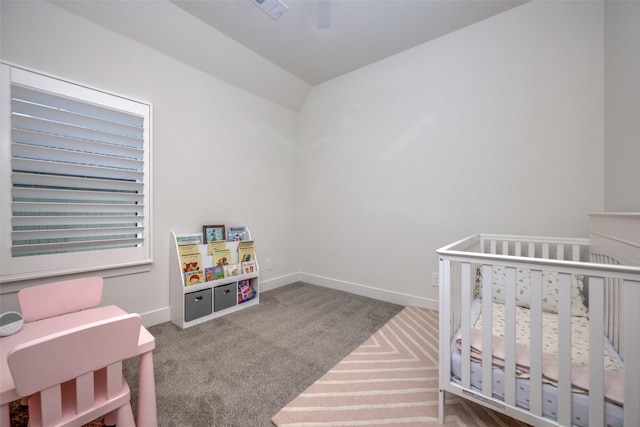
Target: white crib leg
pixel 441 399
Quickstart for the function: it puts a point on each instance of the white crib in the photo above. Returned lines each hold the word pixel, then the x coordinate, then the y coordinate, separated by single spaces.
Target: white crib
pixel 540 301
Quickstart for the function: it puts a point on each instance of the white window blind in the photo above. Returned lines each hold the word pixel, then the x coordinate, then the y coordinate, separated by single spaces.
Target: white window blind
pixel 78 173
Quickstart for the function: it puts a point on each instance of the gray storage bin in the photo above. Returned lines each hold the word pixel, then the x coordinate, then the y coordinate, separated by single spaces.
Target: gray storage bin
pixel 197 304
pixel 224 296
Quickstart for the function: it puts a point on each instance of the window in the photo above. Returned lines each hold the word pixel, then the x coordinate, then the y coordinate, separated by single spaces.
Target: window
pixel 75 178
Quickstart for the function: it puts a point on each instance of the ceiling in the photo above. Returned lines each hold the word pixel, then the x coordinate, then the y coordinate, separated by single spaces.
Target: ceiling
pixel 282 59
pixel 356 33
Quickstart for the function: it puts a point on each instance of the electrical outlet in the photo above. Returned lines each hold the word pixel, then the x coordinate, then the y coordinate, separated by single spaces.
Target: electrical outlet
pixel 268 263
pixel 434 279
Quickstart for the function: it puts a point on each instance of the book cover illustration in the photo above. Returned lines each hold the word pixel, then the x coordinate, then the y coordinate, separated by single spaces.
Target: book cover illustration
pixel 212 232
pixel 248 267
pixel 191 263
pixel 237 233
pixel 218 272
pixel 245 291
pixel 208 274
pixel 245 251
pixel 222 257
pixel 216 245
pixel 230 270
pixel 193 278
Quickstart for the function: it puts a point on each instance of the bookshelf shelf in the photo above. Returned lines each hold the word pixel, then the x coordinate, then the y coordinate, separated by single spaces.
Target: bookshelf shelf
pixel 198 303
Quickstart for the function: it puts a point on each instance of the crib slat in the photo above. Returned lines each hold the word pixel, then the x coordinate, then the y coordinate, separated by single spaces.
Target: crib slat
pixel 445 331
pixel 465 327
pixel 487 331
pixel 576 253
pixel 596 344
pixel 510 337
pixel 560 251
pixel 618 323
pixel 564 349
pixel 610 311
pixel 631 350
pixel 535 398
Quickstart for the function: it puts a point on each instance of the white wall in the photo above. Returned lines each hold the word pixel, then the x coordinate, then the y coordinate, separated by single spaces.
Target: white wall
pixel 622 106
pixel 220 154
pixel 496 128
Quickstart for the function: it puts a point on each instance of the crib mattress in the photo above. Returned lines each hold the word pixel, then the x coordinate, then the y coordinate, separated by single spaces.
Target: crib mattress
pixel 580 400
pixel 579 333
pixel 614 414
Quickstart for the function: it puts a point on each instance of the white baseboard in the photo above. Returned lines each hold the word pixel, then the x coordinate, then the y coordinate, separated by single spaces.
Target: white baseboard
pixel 368 291
pixel 276 282
pixel 164 315
pixel 156 317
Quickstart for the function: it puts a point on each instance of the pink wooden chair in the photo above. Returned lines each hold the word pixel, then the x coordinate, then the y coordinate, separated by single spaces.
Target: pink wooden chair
pixel 54 299
pixel 74 377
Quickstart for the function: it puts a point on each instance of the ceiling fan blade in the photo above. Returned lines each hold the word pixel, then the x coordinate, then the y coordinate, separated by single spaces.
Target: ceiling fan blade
pixel 323 14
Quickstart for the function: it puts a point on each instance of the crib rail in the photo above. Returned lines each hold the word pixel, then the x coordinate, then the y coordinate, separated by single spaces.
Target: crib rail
pixel 543 248
pixel 613 299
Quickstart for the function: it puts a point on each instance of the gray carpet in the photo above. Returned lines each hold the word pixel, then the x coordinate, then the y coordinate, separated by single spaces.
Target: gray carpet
pixel 241 369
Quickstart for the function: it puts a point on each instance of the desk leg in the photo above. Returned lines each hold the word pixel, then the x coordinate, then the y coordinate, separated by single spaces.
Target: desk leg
pixel 147 413
pixel 4 415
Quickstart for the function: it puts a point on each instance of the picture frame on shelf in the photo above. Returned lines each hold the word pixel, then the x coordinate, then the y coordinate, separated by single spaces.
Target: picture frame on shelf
pixel 212 232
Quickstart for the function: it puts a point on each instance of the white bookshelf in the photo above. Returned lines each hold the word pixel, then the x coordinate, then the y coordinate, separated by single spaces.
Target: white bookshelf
pixel 195 304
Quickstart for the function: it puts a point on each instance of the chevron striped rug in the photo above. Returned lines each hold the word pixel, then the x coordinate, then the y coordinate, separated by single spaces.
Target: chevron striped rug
pixel 390 380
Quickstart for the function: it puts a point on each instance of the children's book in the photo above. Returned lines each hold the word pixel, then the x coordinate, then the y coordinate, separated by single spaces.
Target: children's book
pixel 216 245
pixel 188 239
pixel 193 278
pixel 189 249
pixel 245 251
pixel 230 270
pixel 191 263
pixel 218 272
pixel 208 274
pixel 248 267
pixel 221 257
pixel 237 233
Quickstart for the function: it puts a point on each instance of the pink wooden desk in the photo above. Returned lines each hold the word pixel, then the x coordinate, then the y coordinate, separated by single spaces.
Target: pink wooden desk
pixel 147 415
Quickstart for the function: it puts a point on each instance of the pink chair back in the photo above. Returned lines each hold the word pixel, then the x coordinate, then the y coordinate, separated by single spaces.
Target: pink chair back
pixel 92 356
pixel 53 299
